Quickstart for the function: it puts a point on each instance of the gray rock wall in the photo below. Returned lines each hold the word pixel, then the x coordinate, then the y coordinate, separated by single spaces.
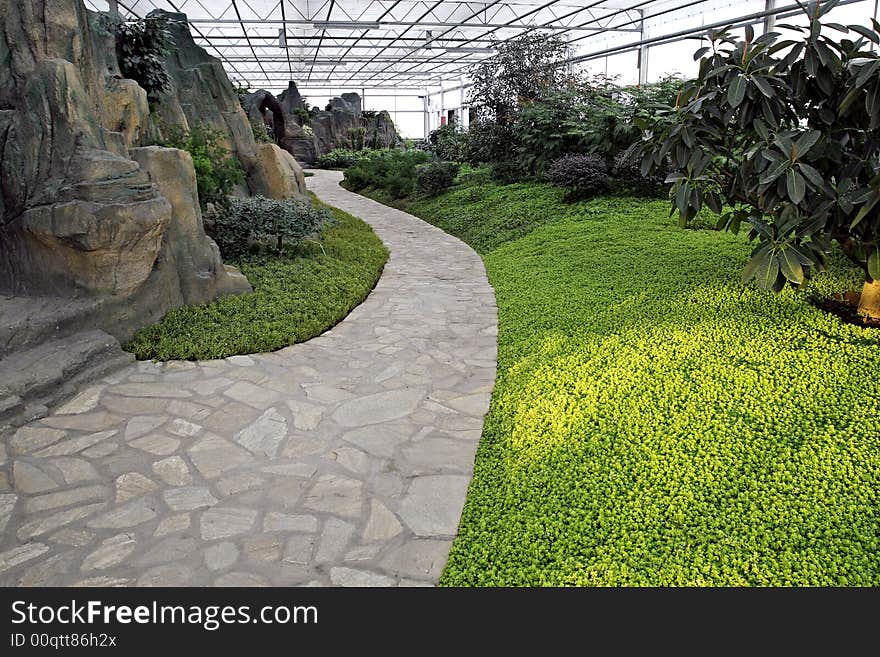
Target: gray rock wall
pixel 84 213
pixel 326 129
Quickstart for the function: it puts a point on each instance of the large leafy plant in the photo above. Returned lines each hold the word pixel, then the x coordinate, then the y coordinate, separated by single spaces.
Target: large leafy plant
pixel 783 136
pixel 141 48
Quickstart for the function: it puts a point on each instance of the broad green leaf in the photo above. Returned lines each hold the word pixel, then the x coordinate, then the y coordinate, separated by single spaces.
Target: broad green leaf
pixel 790 266
pixel 874 263
pixel 764 86
pixel 865 32
pixel 794 184
pixel 767 270
pixel 866 208
pixel 805 142
pixel 736 93
pixel 812 175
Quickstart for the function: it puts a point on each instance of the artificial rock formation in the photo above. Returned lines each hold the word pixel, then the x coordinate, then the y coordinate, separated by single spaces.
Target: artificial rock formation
pixel 324 130
pixel 101 233
pixel 86 211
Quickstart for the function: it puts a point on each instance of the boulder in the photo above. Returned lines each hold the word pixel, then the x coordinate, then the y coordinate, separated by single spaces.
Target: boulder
pixel 188 254
pixel 276 173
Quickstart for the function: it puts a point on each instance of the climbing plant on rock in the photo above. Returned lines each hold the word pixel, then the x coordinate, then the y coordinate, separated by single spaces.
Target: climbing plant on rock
pixel 784 137
pixel 141 47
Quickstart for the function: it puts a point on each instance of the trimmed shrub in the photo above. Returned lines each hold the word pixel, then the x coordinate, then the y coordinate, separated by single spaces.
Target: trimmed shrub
pixel 340 158
pixel 217 172
pixel 247 222
pixel 435 177
pixel 582 176
pixel 392 171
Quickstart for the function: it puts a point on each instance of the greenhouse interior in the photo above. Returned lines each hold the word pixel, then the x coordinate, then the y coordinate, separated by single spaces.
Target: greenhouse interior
pixel 418 293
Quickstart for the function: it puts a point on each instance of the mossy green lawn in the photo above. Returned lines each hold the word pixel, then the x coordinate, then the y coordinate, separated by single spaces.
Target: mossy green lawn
pixel 296 296
pixel 654 421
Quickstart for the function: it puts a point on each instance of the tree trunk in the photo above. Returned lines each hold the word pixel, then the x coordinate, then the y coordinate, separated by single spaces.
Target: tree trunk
pixel 870 302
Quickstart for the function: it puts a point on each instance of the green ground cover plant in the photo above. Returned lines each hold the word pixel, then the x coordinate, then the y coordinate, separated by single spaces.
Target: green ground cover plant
pixel 297 295
pixel 654 421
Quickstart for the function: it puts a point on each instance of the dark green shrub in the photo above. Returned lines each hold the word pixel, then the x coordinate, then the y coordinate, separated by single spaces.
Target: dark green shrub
pixel 629 179
pixel 447 143
pixel 217 172
pixel 356 138
pixel 435 177
pixel 141 48
pixel 393 171
pixel 340 158
pixel 582 176
pixel 302 115
pixel 509 171
pixel 246 222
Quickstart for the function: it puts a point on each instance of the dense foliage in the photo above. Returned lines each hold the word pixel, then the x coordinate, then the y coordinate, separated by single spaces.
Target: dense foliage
pixel 448 143
pixel 340 158
pixel 258 220
pixel 217 172
pixel 297 295
pixel 582 176
pixel 392 171
pixel 141 48
pixel 682 432
pixel 787 134
pixel 435 177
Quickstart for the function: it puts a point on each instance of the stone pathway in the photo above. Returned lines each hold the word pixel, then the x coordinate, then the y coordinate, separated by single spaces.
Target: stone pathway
pixel 344 460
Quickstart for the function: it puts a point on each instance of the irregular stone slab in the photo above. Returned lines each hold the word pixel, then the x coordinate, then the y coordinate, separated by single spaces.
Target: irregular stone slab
pixel 338 495
pixel 377 440
pixel 131 514
pixel 32 438
pixel 54 521
pixel 382 524
pixel 434 455
pixel 188 498
pixel 85 401
pixel 156 444
pixel 245 580
pixel 184 428
pixel 75 537
pixel 74 445
pixel 173 471
pixel 7 504
pixel 111 552
pixel 221 556
pixel 340 576
pixel 352 459
pixel 21 554
pixel 419 559
pixel 172 525
pixel 334 539
pixel 474 405
pixel 213 456
pixel 253 395
pixel 167 551
pixel 303 470
pixel 131 485
pixel 222 522
pixel 300 548
pixel 45 573
pixel 76 470
pixel 143 424
pixel 265 435
pixel 379 407
pixel 284 522
pixel 99 421
pixel 30 479
pixel 432 505
pixel 305 416
pixel 151 390
pixel 57 500
pixel 92 582
pixel 265 548
pixel 172 574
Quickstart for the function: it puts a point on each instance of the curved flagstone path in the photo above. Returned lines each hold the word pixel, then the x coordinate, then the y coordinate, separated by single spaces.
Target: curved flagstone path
pixel 344 460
